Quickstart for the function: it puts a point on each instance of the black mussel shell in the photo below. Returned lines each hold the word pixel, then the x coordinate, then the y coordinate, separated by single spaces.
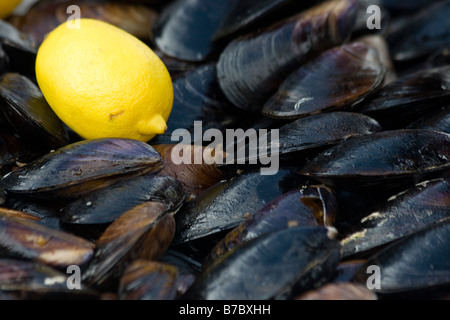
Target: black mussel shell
pixel 228 203
pixel 277 265
pixel 107 204
pixel 412 210
pixel 416 266
pixel 21 49
pixel 28 113
pixel 143 232
pixel 185 28
pixel 307 206
pixel 337 79
pixel 82 167
pixel 438 121
pixel 389 158
pixel 251 67
pixel 24 238
pixel 422 33
pixel 34 281
pixel 409 97
pixel 148 280
pixel 307 136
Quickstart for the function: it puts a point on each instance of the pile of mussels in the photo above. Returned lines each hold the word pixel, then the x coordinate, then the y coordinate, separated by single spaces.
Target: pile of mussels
pixel 359 207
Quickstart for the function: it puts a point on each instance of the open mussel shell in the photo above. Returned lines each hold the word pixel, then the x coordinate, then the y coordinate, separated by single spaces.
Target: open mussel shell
pixel 422 33
pixel 143 232
pixel 194 174
pixel 251 67
pixel 277 265
pixel 306 206
pixel 28 113
pixel 409 97
pixel 229 202
pixel 24 238
pixel 107 204
pixel 438 121
pixel 390 158
pixel 412 210
pixel 338 78
pixel 44 16
pixel 79 168
pixel 148 280
pixel 35 281
pixel 416 266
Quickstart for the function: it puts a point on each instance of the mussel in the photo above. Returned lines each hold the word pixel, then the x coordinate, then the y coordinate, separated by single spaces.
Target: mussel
pixel 337 79
pixel 143 232
pixel 394 159
pixel 251 67
pixel 406 213
pixel 28 113
pixel 107 204
pixel 278 265
pixel 413 266
pixel 79 168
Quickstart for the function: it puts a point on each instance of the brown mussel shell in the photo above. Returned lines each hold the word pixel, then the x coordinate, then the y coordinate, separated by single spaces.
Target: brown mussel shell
pixel 143 232
pixel 24 238
pixel 337 79
pixel 44 16
pixel 35 281
pixel 148 280
pixel 195 176
pixel 82 167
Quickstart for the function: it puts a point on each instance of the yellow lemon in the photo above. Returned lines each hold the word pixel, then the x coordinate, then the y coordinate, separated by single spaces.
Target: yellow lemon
pixel 103 82
pixel 7 7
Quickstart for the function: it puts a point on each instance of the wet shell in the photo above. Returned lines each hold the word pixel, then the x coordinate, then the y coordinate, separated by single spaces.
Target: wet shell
pixel 406 213
pixel 148 280
pixel 82 167
pixel 251 67
pixel 400 157
pixel 34 281
pixel 28 113
pixel 230 202
pixel 337 79
pixel 27 239
pixel 409 97
pixel 143 232
pixel 417 264
pixel 107 204
pixel 277 265
pixel 308 206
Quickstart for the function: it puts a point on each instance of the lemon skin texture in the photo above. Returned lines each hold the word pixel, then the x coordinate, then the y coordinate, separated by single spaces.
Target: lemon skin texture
pixel 103 82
